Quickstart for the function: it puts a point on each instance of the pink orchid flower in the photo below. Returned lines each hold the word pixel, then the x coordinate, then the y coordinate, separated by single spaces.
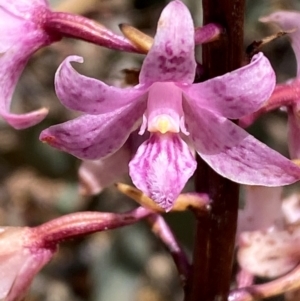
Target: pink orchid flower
pixel 25 251
pixel 272 252
pixel 21 34
pixel 25 27
pixel 168 105
pixel 290 20
pixel 20 261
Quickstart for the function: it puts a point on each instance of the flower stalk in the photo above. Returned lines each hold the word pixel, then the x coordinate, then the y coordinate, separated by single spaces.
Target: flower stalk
pixel 214 243
pixel 162 230
pixel 79 27
pixel 84 223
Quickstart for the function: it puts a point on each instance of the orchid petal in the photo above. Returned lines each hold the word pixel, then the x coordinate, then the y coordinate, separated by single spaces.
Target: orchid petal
pixel 269 254
pixel 88 95
pixel 291 208
pixel 12 64
pixel 23 121
pixel 96 175
pixel 95 136
pixel 171 57
pixel 9 266
pixel 288 20
pixel 9 29
pixel 19 263
pixel 33 262
pixel 20 38
pixel 235 154
pixel 161 167
pixel 21 8
pixel 236 93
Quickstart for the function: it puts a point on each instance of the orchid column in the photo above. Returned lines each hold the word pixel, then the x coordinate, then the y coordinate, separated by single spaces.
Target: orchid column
pixel 214 245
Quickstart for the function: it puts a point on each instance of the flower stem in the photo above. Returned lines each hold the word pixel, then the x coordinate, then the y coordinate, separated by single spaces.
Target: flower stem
pixel 83 223
pixel 79 27
pixel 162 230
pixel 215 237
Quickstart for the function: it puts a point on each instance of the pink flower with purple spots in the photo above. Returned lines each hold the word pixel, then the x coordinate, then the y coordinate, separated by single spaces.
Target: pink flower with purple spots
pixel 173 110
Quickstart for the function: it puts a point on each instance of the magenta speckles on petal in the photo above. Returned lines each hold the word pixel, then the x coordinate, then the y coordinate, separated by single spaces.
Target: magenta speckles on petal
pixel 269 254
pixel 172 57
pixel 161 168
pixel 95 136
pixel 88 95
pixel 235 154
pixel 236 93
pixel 170 106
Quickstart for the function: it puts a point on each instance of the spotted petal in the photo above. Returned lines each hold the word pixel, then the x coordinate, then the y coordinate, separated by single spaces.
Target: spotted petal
pixel 269 254
pixel 236 93
pixel 88 95
pixel 171 57
pixel 95 136
pixel 161 167
pixel 235 154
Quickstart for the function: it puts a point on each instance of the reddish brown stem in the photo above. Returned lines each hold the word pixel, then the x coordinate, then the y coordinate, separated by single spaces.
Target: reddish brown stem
pixel 214 245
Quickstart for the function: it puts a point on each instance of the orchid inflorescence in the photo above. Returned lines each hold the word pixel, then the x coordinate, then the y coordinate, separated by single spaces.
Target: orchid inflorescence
pixel 154 131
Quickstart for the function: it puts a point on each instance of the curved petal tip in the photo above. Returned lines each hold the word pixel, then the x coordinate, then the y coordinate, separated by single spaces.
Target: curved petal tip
pixel 23 121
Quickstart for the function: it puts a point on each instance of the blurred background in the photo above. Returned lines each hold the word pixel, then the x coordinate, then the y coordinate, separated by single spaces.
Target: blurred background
pixel 38 183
